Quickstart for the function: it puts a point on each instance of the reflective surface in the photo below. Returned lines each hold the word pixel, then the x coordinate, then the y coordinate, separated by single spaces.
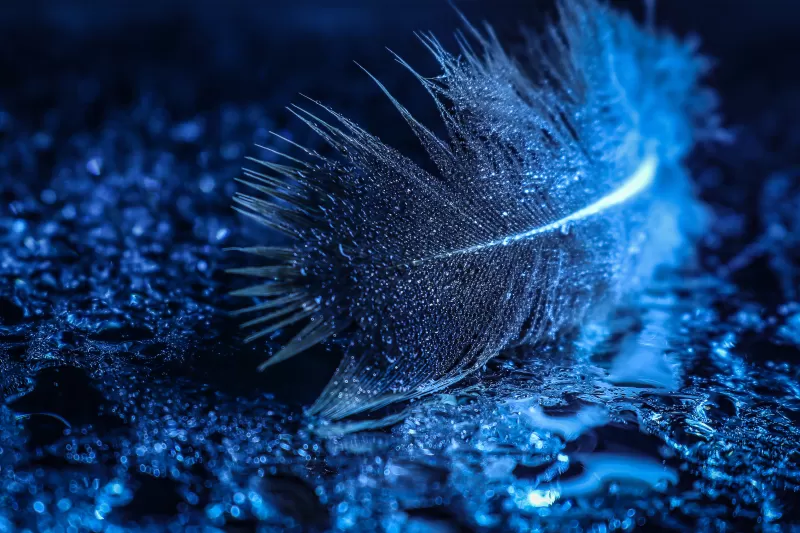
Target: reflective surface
pixel 130 400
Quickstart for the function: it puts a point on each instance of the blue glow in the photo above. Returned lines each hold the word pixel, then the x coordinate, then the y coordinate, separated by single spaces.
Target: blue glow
pixel 130 401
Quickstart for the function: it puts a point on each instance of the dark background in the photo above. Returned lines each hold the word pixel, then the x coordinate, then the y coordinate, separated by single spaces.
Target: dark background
pixel 198 54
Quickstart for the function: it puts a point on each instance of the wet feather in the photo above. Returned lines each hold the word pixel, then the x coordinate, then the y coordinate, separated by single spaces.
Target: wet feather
pixel 558 191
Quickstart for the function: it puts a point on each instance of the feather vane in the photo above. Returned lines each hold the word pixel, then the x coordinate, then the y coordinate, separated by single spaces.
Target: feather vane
pixel 558 190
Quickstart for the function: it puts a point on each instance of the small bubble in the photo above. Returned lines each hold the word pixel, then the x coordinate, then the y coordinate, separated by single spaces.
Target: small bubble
pixel 94 166
pixel 48 196
pixel 207 183
pixel 188 131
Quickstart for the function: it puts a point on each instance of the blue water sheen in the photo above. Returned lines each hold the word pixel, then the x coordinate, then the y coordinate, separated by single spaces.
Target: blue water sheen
pixel 130 402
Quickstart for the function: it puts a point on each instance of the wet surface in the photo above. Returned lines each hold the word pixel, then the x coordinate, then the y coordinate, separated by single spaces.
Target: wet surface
pixel 130 400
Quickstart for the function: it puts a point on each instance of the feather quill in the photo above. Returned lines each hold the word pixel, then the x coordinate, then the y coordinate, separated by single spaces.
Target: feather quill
pixel 559 189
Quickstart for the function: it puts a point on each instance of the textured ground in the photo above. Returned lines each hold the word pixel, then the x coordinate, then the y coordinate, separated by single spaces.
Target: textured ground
pixel 130 401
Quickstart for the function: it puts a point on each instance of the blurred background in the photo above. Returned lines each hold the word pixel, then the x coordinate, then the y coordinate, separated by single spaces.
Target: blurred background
pixel 200 53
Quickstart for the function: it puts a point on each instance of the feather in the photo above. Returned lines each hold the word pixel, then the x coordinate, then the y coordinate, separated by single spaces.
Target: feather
pixel 558 190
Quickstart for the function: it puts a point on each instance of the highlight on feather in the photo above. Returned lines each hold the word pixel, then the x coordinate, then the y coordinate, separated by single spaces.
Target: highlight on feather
pixel 559 190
